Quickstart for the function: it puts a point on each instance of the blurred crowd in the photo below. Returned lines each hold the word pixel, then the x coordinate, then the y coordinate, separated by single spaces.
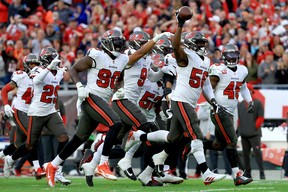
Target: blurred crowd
pixel 258 27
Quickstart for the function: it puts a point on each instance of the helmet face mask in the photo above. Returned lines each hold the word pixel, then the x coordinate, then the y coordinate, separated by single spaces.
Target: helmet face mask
pixel 137 39
pixel 230 55
pixel 47 55
pixel 113 42
pixel 197 42
pixel 163 46
pixel 29 60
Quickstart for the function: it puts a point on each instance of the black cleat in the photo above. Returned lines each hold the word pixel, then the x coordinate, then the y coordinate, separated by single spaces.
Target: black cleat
pixel 87 157
pixel 241 180
pixel 130 174
pixel 89 181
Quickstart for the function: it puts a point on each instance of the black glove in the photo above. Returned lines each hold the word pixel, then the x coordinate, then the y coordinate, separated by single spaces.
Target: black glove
pixel 179 20
pixel 251 107
pixel 218 108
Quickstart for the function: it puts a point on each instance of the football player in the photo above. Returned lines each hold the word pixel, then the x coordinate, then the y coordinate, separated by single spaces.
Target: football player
pixel 192 73
pixel 228 80
pixel 135 78
pixel 104 69
pixel 42 112
pixel 22 80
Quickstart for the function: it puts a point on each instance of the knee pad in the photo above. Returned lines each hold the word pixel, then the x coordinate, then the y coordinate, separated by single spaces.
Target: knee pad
pixel 196 145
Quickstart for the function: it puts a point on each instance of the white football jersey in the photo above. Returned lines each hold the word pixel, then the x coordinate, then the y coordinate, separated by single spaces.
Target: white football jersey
pixel 103 75
pixel 171 62
pixel 45 93
pixel 150 94
pixel 190 79
pixel 134 79
pixel 24 94
pixel 228 88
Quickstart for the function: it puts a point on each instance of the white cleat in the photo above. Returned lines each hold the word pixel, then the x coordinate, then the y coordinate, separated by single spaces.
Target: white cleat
pixel 133 138
pixel 59 178
pixel 8 164
pixel 169 178
pixel 88 169
pixel 89 172
pixel 125 166
pixel 210 177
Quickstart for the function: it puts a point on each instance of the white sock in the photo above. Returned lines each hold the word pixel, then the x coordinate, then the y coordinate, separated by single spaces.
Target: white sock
pixel 103 159
pixel 158 136
pixel 60 168
pixel 36 164
pixel 199 156
pixel 2 154
pixel 57 161
pixel 235 170
pixel 163 155
pixel 130 153
pixel 146 175
pixel 96 156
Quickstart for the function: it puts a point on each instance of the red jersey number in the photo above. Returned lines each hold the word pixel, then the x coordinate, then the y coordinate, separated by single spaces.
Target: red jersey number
pixel 48 92
pixel 142 77
pixel 147 104
pixel 232 90
pixel 197 78
pixel 106 78
pixel 27 96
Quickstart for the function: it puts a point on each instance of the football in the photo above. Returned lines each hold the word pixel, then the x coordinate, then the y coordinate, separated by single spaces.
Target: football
pixel 185 13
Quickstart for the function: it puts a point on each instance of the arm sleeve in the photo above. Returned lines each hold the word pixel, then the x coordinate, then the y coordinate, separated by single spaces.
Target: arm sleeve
pixel 245 93
pixel 207 89
pixel 4 93
pixel 155 76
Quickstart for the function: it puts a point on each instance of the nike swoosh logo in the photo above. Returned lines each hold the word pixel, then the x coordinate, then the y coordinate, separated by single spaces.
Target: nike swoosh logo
pixel 130 174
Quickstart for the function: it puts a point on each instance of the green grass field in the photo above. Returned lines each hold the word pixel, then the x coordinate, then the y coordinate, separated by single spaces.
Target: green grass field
pixel 29 184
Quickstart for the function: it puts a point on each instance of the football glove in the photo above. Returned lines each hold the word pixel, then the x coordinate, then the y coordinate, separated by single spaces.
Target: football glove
pixel 82 92
pixel 169 69
pixel 78 107
pixel 8 111
pixel 251 107
pixel 218 108
pixel 159 36
pixel 54 63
